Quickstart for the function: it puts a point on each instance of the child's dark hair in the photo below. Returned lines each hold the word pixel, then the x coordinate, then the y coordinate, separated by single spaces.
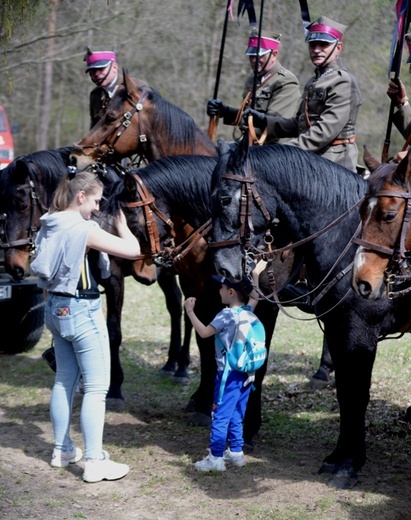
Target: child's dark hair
pixel 70 186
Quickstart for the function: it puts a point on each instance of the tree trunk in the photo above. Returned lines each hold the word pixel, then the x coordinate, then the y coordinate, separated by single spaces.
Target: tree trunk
pixel 43 133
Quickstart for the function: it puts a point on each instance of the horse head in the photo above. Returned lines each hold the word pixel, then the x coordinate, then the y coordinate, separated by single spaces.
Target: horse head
pixel 122 129
pixel 23 204
pixel 243 227
pixel 226 187
pixel 381 260
pixel 138 120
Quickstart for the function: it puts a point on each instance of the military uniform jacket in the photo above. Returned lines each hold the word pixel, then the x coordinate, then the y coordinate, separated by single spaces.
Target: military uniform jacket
pixel 279 95
pixel 327 113
pixel 402 120
pixel 99 98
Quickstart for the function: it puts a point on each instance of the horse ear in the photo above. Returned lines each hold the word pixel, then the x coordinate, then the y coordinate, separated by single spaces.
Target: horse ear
pixel 239 156
pixel 371 162
pixel 130 184
pixel 128 83
pixel 21 172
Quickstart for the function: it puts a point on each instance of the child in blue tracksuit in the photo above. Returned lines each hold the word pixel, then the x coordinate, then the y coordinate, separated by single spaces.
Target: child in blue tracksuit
pixel 227 417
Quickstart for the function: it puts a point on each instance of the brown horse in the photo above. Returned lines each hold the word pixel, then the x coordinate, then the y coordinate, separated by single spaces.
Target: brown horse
pixel 140 121
pixel 382 262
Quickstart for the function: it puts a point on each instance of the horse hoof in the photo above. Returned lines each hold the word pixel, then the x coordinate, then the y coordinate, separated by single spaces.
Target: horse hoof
pixel 327 468
pixel 343 481
pixel 181 380
pixel 200 419
pixel 115 404
pixel 181 376
pixel 319 384
pixel 248 446
pixel 168 369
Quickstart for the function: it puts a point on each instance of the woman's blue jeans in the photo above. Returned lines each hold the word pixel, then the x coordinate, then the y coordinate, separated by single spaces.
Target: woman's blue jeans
pixel 82 347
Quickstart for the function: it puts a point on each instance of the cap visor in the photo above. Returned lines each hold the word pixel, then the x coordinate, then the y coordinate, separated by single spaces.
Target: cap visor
pixel 252 51
pixel 320 37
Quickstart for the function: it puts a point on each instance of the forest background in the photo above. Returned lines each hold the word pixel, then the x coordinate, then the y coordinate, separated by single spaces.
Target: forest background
pixel 174 46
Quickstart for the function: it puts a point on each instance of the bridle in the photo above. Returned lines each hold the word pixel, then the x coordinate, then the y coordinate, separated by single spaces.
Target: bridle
pixel 398 270
pixel 36 210
pixel 106 148
pixel 170 253
pixel 250 197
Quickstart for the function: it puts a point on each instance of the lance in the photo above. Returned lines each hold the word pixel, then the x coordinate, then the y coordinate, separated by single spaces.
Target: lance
pixel 213 123
pixel 396 68
pixel 305 15
pixel 255 79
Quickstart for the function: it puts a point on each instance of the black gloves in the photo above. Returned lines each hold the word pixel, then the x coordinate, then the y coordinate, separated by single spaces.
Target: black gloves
pixel 215 107
pixel 259 119
pixel 396 91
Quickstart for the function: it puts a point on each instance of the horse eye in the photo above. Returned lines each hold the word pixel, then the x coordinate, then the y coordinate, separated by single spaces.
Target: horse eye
pixel 225 201
pixel 110 118
pixel 390 216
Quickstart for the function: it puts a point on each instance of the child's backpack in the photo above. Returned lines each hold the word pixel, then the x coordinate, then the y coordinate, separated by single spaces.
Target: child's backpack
pixel 247 352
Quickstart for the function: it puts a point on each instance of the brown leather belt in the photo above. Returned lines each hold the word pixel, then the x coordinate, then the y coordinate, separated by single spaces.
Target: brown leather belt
pixel 82 295
pixel 348 140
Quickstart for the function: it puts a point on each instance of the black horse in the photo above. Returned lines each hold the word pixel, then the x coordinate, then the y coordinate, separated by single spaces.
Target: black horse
pixel 26 188
pixel 307 194
pixel 160 200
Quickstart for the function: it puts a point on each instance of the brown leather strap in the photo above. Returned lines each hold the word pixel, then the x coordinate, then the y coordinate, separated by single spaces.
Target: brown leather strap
pixel 307 119
pixel 247 99
pixel 407 143
pixel 348 140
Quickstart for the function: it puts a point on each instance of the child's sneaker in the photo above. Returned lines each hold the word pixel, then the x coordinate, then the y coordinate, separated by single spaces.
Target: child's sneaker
pixel 61 459
pixel 105 469
pixel 234 457
pixel 210 463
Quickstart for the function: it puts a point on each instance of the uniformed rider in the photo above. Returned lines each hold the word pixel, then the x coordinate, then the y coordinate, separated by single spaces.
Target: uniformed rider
pixel 277 91
pixel 326 119
pixel 402 115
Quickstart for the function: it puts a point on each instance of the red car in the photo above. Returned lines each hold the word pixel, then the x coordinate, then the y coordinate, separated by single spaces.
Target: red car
pixel 6 140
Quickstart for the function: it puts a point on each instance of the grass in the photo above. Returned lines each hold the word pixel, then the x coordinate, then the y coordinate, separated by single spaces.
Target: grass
pixel 300 427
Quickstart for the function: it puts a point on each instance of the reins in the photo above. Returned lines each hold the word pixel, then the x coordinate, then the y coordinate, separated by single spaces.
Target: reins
pixel 171 253
pixel 250 195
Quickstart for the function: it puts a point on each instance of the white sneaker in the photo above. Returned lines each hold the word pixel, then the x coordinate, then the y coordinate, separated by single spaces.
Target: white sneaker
pixel 210 463
pixel 235 458
pixel 61 459
pixel 105 469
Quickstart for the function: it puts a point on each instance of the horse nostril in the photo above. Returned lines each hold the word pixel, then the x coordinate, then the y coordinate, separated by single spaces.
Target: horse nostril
pixel 364 289
pixel 73 160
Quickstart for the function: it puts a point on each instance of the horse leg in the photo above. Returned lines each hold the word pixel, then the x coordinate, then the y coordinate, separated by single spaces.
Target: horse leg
pixel 354 355
pixel 177 354
pixel 322 377
pixel 252 420
pixel 114 289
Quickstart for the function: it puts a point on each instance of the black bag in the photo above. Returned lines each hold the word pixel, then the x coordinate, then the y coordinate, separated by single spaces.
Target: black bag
pixel 50 358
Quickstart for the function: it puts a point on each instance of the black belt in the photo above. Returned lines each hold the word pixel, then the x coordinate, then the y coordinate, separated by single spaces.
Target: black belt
pixel 82 295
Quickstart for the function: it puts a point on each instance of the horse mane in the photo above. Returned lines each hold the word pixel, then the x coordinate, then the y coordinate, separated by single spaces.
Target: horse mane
pixel 183 178
pixel 52 164
pixel 299 169
pixel 174 122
